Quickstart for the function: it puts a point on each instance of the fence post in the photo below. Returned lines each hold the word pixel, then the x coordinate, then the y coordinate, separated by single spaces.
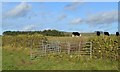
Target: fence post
pixel 90 49
pixel 68 47
pixel 79 47
pixel 58 47
pixel 31 53
pixel 45 49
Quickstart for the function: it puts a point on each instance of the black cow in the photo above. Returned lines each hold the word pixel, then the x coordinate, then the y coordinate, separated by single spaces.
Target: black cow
pixel 117 33
pixel 98 33
pixel 106 33
pixel 76 34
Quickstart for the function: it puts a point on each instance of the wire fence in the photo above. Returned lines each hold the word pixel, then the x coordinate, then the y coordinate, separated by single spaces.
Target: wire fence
pixel 57 47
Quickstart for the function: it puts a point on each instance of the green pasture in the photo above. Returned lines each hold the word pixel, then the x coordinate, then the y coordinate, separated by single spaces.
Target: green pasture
pixel 18 57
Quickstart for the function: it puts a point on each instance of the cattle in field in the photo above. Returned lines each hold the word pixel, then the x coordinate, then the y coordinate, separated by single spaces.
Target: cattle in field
pixel 117 33
pixel 106 33
pixel 76 34
pixel 98 33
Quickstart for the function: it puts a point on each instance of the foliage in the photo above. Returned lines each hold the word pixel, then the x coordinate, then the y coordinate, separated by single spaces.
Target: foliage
pixel 45 33
pixel 23 40
pixel 105 47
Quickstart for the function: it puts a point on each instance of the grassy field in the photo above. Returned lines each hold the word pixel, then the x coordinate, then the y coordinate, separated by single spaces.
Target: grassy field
pixel 67 39
pixel 14 59
pixel 18 57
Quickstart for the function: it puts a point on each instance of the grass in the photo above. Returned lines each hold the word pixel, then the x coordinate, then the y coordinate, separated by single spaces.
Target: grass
pixel 14 59
pixel 67 39
pixel 18 57
pixel 0 53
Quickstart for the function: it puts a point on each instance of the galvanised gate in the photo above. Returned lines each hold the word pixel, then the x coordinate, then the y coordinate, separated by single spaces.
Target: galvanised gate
pixel 57 47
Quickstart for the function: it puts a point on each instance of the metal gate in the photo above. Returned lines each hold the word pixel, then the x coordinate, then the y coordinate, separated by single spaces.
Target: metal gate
pixel 57 47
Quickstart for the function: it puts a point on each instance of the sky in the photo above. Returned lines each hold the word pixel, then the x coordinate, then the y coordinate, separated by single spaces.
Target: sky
pixel 63 16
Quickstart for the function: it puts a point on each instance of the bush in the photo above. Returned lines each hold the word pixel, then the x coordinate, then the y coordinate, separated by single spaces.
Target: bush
pixel 23 40
pixel 105 47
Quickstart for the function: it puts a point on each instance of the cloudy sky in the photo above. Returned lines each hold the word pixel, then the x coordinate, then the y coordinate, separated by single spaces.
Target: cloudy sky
pixel 63 16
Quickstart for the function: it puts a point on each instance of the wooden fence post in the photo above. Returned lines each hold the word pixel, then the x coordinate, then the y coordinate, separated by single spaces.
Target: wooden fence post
pixel 59 48
pixel 68 47
pixel 31 52
pixel 90 49
pixel 79 47
pixel 45 49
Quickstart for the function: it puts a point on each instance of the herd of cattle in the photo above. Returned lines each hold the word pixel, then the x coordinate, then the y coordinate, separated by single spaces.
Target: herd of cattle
pixel 98 33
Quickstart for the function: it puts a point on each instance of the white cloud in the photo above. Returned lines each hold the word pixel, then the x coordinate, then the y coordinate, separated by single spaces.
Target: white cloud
pixel 29 27
pixel 46 28
pixel 98 18
pixel 103 18
pixel 61 17
pixel 100 21
pixel 20 10
pixel 73 6
pixel 76 21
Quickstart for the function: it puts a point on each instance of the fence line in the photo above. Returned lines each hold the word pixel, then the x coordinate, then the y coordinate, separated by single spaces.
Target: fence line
pixel 81 48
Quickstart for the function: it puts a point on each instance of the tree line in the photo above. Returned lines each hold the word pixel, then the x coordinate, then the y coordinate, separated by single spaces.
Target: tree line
pixel 45 32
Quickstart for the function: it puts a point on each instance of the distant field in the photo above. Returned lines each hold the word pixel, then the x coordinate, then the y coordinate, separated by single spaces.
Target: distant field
pixel 16 55
pixel 67 39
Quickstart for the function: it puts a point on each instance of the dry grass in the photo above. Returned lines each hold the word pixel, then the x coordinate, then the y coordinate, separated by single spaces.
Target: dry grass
pixel 67 39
